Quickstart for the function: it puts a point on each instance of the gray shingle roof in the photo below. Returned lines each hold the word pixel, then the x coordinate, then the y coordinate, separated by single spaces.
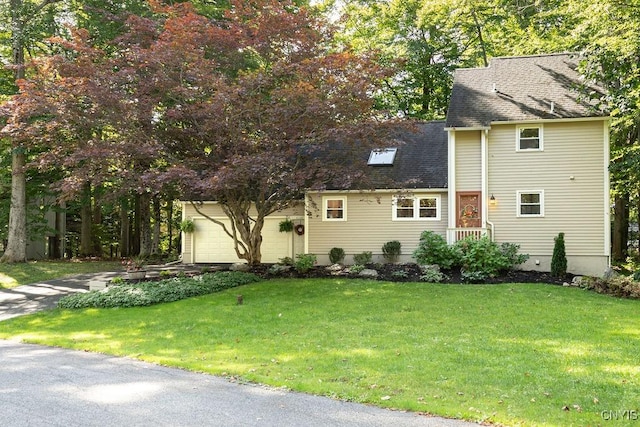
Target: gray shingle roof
pixel 519 88
pixel 421 160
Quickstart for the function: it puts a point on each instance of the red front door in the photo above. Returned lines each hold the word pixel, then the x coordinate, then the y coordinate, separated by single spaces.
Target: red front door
pixel 469 209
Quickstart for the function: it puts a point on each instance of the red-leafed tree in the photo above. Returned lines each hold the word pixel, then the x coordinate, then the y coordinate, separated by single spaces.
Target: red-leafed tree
pixel 262 110
pixel 251 110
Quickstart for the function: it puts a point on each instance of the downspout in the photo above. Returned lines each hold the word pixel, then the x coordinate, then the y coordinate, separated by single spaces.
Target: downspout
pixel 484 148
pixel 607 195
pixel 306 224
pixel 452 185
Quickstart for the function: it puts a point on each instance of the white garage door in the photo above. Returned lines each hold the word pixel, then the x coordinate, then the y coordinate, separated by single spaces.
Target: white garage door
pixel 212 245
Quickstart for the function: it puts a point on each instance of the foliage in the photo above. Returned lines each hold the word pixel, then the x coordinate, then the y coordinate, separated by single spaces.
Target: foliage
pixel 336 255
pixel 433 249
pixel 134 263
pixel 432 274
pixel 304 262
pixel 187 226
pixel 356 268
pixel 559 257
pixel 147 293
pixel 286 226
pixel 542 330
pixel 391 251
pixel 482 258
pixel 285 261
pixel 363 258
pixel 618 286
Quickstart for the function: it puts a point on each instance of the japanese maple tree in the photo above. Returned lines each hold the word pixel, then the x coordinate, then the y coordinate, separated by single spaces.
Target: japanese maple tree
pixel 261 110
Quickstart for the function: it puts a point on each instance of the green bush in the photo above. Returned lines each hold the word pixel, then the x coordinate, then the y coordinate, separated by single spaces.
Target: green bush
pixel 391 251
pixel 481 259
pixel 168 290
pixel 363 258
pixel 336 255
pixel 285 261
pixel 356 268
pixel 433 249
pixel 432 274
pixel 559 258
pixel 304 262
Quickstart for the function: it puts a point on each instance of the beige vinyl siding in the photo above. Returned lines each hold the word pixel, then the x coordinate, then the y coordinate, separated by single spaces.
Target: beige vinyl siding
pixel 468 161
pixel 571 173
pixel 369 225
pixel 214 210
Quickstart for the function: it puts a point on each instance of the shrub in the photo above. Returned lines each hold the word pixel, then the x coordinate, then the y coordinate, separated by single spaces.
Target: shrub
pixel 391 251
pixel 559 258
pixel 363 258
pixel 304 262
pixel 356 268
pixel 432 274
pixel 433 249
pixel 481 258
pixel 168 290
pixel 336 255
pixel 285 261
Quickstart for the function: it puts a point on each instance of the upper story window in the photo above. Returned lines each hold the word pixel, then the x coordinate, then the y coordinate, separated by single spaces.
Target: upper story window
pixel 530 203
pixel 529 138
pixel 334 208
pixel 412 208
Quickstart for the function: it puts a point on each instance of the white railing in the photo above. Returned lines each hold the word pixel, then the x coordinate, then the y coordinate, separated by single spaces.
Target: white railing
pixel 456 234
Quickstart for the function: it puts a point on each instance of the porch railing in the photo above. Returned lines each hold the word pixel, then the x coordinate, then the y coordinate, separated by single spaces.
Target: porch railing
pixel 455 234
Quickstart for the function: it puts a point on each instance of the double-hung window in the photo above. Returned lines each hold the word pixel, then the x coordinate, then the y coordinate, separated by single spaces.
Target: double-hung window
pixel 334 208
pixel 416 208
pixel 530 203
pixel 529 138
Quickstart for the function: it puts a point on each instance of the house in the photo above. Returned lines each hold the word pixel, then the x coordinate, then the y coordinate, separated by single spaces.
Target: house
pixel 520 158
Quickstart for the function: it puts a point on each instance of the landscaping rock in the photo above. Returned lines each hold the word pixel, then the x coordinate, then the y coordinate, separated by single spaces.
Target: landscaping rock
pixel 334 268
pixel 240 266
pixel 368 272
pixel 576 281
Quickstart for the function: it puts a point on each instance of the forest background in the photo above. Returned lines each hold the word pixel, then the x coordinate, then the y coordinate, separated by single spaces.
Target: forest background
pixel 71 162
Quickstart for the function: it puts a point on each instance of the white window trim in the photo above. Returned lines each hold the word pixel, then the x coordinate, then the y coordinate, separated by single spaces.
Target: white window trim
pixel 518 204
pixel 540 137
pixel 325 200
pixel 416 208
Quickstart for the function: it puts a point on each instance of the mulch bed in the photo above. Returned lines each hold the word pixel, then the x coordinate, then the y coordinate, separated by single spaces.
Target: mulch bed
pixel 411 273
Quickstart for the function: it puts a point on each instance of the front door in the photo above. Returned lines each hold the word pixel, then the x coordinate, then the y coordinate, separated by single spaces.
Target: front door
pixel 469 209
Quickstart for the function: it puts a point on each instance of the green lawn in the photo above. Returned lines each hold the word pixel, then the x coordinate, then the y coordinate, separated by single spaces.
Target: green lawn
pixel 517 354
pixel 12 275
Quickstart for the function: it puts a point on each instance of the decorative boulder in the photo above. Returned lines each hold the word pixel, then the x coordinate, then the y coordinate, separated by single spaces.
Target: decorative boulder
pixel 367 272
pixel 239 266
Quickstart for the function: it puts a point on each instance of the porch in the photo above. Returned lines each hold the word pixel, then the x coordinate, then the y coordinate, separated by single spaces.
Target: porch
pixel 455 234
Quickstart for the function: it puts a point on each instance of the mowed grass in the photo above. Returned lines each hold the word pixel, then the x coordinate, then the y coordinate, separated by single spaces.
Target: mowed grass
pixel 518 354
pixel 12 275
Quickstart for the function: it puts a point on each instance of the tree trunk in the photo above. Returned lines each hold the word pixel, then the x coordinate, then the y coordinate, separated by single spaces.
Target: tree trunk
pixel 145 224
pixel 620 227
pixel 170 225
pixel 16 250
pixel 86 223
pixel 157 220
pixel 125 239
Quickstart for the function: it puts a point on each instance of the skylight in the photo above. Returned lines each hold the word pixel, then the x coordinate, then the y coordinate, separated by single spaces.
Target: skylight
pixel 382 157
